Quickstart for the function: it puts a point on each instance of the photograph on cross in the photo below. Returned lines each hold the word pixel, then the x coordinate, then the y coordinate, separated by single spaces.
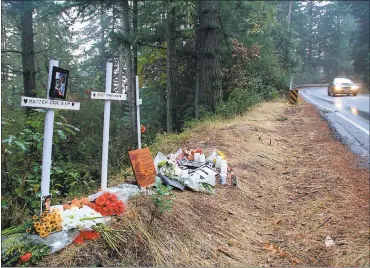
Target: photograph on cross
pixel 59 82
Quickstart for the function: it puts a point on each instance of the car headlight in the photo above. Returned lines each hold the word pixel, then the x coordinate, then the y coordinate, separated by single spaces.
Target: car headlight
pixel 354 87
pixel 337 87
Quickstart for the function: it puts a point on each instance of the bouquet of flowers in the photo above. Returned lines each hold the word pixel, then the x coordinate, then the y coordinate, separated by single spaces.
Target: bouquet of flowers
pixel 80 218
pixel 108 205
pixel 48 222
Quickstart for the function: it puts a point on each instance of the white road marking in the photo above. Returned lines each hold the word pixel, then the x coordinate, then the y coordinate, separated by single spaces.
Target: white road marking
pixel 336 112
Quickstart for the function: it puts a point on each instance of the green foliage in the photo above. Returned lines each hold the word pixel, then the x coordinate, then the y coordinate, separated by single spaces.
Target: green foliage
pixel 21 163
pixel 16 245
pixel 163 197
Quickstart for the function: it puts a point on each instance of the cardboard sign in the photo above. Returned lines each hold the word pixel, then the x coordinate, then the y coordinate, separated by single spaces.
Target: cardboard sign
pixel 50 104
pixel 107 96
pixel 143 166
pixel 59 83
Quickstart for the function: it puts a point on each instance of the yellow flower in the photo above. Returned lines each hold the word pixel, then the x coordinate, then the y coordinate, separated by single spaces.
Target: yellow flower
pixel 59 228
pixel 35 217
pixel 36 224
pixel 28 230
pixel 38 229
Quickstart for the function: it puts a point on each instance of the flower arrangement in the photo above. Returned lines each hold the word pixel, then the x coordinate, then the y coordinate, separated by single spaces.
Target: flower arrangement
pixel 77 203
pixel 80 218
pixel 108 205
pixel 48 222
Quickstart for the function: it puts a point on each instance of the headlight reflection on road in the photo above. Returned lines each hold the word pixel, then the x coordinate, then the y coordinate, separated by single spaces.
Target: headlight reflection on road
pixel 338 105
pixel 354 111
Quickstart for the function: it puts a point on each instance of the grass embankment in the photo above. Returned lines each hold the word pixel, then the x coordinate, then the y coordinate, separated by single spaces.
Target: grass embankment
pixel 296 185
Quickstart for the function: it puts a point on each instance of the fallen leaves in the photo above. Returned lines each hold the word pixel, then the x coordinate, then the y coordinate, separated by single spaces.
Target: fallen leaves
pixel 274 249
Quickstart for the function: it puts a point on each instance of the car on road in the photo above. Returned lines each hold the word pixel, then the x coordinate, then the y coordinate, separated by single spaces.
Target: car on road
pixel 342 85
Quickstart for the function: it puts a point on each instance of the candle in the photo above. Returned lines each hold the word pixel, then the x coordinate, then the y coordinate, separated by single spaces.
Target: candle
pixel 218 161
pixel 196 157
pixel 223 167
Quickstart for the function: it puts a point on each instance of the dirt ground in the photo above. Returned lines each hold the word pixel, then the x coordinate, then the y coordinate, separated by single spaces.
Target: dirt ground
pixel 296 186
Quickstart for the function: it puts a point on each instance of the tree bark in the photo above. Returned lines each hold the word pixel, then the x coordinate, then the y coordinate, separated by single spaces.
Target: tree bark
pixel 171 61
pixel 209 54
pixel 129 66
pixel 28 60
pixel 290 12
pixel 310 14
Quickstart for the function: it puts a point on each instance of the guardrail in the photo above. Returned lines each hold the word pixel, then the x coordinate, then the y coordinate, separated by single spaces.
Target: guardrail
pixel 309 85
pixel 317 85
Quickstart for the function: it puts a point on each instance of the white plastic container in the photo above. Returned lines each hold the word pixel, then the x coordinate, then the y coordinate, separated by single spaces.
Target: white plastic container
pixel 196 157
pixel 202 158
pixel 223 167
pixel 223 179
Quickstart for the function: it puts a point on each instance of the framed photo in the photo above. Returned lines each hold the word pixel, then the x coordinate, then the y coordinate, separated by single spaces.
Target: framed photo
pixel 45 203
pixel 59 83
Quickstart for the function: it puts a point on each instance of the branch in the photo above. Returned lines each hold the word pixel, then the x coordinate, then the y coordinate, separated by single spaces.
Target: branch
pixel 40 51
pixel 149 45
pixel 11 51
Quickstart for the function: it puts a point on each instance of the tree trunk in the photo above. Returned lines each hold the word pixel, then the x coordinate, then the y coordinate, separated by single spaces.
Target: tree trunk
pixel 134 56
pixel 102 45
pixel 290 12
pixel 171 61
pixel 209 54
pixel 129 66
pixel 310 14
pixel 197 71
pixel 28 60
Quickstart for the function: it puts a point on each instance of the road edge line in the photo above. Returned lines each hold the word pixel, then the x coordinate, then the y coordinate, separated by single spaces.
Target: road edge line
pixel 342 116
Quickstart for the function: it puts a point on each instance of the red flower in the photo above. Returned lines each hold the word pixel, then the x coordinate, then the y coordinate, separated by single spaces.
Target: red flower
pixel 142 129
pixel 26 257
pixel 113 198
pixel 79 239
pixel 101 200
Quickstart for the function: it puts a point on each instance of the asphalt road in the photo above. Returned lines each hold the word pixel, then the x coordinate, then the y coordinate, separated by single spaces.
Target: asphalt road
pixel 348 116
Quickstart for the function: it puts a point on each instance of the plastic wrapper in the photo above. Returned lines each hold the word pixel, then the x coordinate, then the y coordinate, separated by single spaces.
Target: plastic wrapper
pixel 159 158
pixel 55 241
pixel 173 183
pixel 123 192
pixel 212 157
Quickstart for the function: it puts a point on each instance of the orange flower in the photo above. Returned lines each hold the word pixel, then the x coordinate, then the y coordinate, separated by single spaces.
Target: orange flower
pixel 84 201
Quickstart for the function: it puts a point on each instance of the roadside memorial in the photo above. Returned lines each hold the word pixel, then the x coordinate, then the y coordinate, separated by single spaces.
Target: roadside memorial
pixel 57 89
pixel 107 96
pixel 192 169
pixel 143 167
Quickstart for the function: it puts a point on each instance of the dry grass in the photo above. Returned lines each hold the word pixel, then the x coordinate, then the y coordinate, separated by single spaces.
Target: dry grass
pixel 296 185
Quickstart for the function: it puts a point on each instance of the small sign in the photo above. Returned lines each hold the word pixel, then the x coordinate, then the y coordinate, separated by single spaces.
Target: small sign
pixel 107 96
pixel 59 83
pixel 139 102
pixel 49 104
pixel 143 166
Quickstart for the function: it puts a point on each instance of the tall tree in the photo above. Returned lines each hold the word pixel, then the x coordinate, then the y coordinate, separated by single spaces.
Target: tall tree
pixel 209 54
pixel 28 59
pixel 171 62
pixel 129 64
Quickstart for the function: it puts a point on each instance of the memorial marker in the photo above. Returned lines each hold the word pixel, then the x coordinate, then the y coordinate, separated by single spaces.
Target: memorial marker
pixel 57 82
pixel 107 96
pixel 143 166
